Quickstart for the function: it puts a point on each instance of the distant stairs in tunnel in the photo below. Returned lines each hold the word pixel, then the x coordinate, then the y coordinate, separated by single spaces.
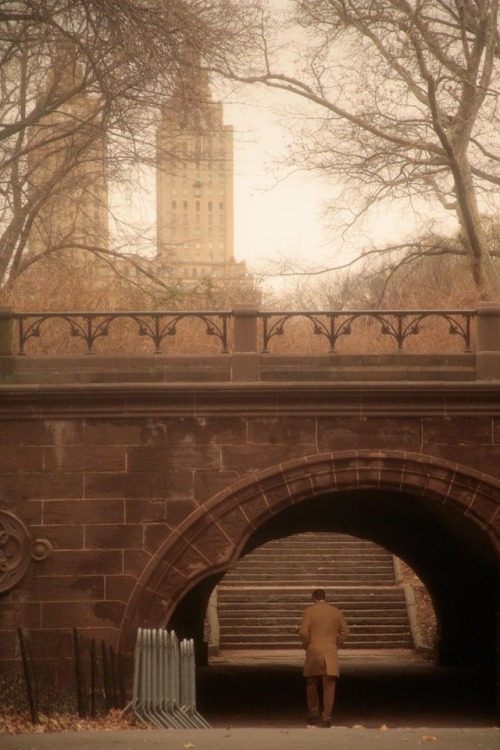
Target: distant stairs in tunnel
pixel 262 599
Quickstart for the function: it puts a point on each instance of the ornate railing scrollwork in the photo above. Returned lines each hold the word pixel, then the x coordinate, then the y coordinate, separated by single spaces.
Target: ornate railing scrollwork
pixel 17 549
pixel 398 324
pixel 92 326
pixel 331 325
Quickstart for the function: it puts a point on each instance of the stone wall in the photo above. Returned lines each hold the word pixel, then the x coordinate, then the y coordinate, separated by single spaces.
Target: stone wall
pixel 124 495
pixel 112 484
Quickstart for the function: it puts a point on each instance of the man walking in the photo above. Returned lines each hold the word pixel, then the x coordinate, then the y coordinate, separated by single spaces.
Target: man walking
pixel 323 629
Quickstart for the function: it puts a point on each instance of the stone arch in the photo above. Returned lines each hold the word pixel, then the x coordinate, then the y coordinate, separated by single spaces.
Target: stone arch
pixel 212 538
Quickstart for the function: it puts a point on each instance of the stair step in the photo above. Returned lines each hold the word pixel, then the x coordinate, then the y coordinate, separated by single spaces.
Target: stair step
pixel 273 621
pixel 325 553
pixel 262 599
pixel 266 580
pixel 321 539
pixel 279 632
pixel 314 554
pixel 363 640
pixel 312 567
pixel 268 596
pixel 313 570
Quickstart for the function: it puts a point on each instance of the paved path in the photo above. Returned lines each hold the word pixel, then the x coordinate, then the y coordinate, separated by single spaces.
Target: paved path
pixel 396 688
pixel 263 739
pixel 255 701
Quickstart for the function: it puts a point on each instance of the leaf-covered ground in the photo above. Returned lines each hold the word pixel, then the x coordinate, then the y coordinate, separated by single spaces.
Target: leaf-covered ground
pixel 13 722
pixel 426 619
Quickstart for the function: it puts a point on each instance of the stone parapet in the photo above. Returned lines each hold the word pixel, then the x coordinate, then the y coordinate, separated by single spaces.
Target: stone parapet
pixel 239 367
pixel 6 331
pixel 488 341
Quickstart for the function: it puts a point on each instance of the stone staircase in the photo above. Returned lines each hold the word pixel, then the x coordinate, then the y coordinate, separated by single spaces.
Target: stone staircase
pixel 262 600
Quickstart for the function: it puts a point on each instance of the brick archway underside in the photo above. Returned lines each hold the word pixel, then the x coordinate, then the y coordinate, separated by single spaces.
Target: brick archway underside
pixel 212 537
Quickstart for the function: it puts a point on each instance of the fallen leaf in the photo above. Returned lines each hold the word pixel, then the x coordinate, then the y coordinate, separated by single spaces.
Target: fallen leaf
pixel 429 738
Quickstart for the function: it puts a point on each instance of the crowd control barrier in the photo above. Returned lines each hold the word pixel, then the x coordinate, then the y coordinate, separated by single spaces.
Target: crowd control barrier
pixel 164 689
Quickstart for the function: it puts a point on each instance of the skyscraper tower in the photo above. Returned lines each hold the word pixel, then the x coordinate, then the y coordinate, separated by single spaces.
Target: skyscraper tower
pixel 67 169
pixel 194 185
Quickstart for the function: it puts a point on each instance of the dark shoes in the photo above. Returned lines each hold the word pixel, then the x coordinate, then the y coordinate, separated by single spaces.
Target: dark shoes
pixel 313 721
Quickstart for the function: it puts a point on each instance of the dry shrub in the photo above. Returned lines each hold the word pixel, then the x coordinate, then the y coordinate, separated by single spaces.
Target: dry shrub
pixel 424 609
pixel 297 337
pixel 122 336
pixel 365 336
pixel 435 284
pixel 58 287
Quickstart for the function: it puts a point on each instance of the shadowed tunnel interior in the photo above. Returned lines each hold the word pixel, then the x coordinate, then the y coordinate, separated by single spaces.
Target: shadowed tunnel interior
pixel 370 693
pixel 459 567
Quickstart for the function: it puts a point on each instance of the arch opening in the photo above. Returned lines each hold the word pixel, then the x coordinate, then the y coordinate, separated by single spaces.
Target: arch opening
pixel 391 691
pixel 450 557
pixel 436 516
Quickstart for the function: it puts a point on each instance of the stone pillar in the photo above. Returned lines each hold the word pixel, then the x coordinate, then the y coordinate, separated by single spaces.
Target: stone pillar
pixel 213 624
pixel 6 331
pixel 245 360
pixel 488 341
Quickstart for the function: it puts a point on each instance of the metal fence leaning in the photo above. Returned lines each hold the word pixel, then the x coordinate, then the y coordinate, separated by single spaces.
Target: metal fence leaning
pixel 164 688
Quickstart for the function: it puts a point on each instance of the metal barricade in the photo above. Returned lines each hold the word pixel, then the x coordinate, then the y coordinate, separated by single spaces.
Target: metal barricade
pixel 164 687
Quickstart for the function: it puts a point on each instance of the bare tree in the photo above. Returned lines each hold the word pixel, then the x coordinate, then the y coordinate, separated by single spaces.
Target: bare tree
pixel 402 102
pixel 81 85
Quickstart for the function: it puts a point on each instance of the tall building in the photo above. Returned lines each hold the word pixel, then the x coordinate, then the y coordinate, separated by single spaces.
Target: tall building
pixel 67 169
pixel 68 179
pixel 194 186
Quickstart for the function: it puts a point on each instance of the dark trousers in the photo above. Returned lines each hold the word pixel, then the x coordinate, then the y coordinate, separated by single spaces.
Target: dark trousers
pixel 313 698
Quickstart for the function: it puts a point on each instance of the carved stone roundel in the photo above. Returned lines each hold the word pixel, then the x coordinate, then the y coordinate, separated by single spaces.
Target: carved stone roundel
pixel 17 549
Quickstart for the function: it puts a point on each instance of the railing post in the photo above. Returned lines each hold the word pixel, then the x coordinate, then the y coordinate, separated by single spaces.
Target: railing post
pixel 6 331
pixel 245 360
pixel 488 341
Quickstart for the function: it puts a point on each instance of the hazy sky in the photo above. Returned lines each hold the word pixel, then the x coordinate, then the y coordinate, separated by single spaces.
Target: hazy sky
pixel 278 213
pixel 282 214
pixel 275 212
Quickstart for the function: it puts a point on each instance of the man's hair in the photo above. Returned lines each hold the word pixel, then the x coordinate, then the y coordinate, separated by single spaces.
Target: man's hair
pixel 319 594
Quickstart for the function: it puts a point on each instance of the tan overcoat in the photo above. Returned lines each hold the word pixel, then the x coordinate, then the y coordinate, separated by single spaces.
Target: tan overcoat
pixel 323 629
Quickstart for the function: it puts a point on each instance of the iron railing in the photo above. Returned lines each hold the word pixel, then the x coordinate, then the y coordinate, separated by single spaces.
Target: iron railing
pixel 91 326
pixel 332 325
pixel 397 324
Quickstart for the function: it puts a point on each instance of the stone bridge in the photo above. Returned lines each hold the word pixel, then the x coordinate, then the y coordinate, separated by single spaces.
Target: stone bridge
pixel 130 483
